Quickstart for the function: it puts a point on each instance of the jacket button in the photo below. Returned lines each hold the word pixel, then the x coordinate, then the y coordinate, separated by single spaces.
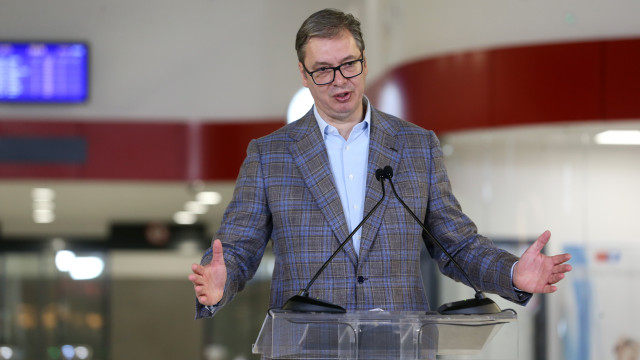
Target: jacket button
pixel 361 279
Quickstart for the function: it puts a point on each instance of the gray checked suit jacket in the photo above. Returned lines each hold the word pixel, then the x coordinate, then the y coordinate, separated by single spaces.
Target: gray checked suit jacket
pixel 285 192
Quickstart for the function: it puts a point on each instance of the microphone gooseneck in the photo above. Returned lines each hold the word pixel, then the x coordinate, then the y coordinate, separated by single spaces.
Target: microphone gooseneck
pixel 302 302
pixel 480 304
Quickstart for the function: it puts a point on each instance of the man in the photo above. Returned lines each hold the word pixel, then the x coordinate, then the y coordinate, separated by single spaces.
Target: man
pixel 307 185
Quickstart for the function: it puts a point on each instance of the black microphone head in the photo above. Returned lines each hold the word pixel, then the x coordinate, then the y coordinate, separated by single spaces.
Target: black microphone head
pixel 380 174
pixel 388 172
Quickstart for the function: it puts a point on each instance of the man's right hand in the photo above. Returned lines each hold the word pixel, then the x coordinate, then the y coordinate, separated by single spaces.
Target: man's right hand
pixel 208 280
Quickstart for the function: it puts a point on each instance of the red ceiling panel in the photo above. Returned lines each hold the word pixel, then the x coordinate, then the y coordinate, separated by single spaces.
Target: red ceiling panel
pixel 548 83
pixel 622 80
pixel 449 92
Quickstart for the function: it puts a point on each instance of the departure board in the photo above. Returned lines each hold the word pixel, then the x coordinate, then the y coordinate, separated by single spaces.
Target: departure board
pixel 44 72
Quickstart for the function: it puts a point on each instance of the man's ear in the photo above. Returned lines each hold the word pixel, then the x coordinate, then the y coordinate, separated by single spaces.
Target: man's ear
pixel 303 73
pixel 364 64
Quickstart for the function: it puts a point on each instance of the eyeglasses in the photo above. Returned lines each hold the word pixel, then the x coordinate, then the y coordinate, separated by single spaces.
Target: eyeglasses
pixel 326 74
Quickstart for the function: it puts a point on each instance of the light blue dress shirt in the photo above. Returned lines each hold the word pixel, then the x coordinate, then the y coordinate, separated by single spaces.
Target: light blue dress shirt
pixel 348 158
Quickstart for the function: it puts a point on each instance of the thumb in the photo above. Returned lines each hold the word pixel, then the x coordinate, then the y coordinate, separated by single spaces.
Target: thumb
pixel 217 256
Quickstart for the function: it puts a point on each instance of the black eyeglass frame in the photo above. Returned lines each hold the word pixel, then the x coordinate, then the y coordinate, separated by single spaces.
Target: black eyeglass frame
pixel 334 68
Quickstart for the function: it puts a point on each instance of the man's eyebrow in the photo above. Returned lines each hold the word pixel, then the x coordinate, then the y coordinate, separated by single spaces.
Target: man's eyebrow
pixel 344 60
pixel 320 64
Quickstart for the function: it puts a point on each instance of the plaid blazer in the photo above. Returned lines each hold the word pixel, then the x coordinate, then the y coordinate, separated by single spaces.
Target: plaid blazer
pixel 285 192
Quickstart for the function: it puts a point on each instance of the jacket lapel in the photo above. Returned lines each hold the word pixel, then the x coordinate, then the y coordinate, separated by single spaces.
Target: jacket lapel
pixel 310 155
pixel 384 149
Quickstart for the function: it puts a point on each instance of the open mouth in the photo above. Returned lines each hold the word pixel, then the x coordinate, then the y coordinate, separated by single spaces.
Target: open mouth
pixel 343 96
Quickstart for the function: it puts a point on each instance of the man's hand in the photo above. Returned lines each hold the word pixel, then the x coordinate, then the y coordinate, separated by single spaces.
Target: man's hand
pixel 536 272
pixel 208 280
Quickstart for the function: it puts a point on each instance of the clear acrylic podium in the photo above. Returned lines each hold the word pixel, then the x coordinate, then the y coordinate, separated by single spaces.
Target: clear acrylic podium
pixel 374 335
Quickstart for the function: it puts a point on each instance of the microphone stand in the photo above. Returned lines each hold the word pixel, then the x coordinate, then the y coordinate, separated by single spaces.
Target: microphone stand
pixel 302 302
pixel 480 304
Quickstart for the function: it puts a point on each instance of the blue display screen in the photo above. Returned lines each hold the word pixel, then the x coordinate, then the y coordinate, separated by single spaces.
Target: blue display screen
pixel 44 72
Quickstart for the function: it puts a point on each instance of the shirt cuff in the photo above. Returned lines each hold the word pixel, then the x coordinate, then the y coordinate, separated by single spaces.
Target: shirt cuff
pixel 512 284
pixel 211 308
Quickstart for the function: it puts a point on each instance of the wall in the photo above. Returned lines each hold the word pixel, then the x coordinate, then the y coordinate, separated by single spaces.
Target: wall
pixel 517 182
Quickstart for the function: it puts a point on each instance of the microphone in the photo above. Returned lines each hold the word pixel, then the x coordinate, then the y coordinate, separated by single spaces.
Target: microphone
pixel 302 302
pixel 476 306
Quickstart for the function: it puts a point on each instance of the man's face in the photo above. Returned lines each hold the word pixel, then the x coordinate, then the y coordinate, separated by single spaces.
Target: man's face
pixel 341 100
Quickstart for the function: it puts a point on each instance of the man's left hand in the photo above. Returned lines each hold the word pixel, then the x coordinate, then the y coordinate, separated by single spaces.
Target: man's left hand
pixel 538 273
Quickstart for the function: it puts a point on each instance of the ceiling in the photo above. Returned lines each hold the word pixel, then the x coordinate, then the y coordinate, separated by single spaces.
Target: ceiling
pixel 85 209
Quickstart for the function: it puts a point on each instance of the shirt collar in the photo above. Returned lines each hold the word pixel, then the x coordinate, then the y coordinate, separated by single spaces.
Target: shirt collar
pixel 324 126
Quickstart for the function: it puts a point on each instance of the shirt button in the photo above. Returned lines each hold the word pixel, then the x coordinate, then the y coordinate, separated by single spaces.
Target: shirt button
pixel 350 176
pixel 347 147
pixel 361 279
pixel 355 207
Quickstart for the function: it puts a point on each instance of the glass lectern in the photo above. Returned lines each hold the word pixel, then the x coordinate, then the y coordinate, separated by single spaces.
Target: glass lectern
pixel 374 335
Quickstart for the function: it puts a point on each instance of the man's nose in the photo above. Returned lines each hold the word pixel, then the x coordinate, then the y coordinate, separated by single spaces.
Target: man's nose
pixel 339 78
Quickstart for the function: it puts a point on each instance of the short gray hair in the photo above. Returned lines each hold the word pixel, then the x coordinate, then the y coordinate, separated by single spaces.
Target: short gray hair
pixel 326 24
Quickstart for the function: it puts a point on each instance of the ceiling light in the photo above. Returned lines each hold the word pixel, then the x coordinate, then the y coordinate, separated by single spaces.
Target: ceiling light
pixel 79 267
pixel 184 218
pixel 195 207
pixel 86 268
pixel 618 137
pixel 44 205
pixel 43 194
pixel 209 197
pixel 64 260
pixel 43 216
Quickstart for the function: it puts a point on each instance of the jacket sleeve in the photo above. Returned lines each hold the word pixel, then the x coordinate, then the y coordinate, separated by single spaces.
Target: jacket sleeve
pixel 244 232
pixel 488 267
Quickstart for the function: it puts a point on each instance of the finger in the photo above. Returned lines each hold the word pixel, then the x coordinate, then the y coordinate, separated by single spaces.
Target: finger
pixel 196 280
pixel 555 278
pixel 540 242
pixel 561 269
pixel 562 258
pixel 197 269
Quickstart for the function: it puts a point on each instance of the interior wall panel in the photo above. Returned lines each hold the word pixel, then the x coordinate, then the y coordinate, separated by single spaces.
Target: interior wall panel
pixel 622 80
pixel 548 83
pixel 449 92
